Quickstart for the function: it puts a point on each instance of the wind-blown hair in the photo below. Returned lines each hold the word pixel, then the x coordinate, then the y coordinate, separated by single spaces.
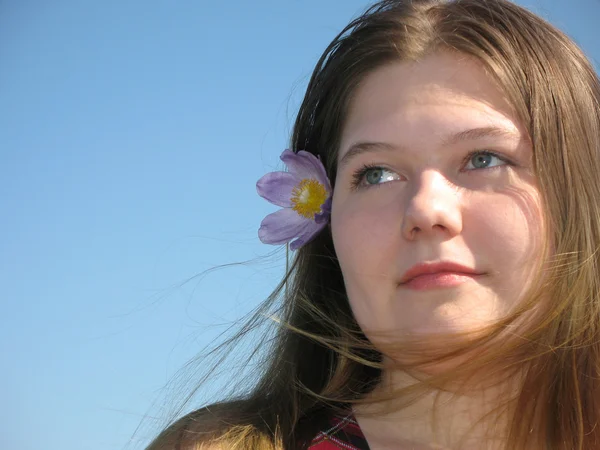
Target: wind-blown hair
pixel 320 360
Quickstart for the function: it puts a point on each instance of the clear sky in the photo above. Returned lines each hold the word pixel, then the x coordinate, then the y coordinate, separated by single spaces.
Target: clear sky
pixel 131 137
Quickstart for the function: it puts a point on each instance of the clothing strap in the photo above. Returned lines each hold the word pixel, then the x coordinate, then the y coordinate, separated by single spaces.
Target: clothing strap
pixel 344 433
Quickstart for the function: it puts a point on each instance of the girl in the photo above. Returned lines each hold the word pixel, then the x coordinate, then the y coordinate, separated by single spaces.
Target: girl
pixel 445 289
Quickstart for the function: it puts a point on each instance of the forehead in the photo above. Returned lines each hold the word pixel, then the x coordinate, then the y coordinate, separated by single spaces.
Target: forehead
pixel 442 93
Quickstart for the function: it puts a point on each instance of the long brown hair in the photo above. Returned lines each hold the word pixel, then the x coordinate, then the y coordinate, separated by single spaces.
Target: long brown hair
pixel 319 360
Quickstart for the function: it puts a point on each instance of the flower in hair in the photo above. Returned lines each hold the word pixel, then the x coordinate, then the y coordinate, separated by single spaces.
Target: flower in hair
pixel 304 192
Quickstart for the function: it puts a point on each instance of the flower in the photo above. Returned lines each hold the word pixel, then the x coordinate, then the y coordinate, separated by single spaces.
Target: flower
pixel 305 194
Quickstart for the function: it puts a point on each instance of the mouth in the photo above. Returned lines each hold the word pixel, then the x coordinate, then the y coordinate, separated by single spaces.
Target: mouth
pixel 439 280
pixel 438 275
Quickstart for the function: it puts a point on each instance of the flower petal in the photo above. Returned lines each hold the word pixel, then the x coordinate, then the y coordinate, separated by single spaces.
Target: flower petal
pixel 306 165
pixel 307 235
pixel 319 172
pixel 282 226
pixel 323 216
pixel 277 187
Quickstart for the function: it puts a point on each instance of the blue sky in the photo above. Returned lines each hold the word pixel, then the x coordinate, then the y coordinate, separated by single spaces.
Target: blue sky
pixel 132 135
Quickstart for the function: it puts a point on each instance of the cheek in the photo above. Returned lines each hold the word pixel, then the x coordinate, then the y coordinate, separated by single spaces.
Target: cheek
pixel 367 240
pixel 505 231
pixel 366 237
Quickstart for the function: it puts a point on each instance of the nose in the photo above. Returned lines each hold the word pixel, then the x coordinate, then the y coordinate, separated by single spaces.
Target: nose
pixel 433 208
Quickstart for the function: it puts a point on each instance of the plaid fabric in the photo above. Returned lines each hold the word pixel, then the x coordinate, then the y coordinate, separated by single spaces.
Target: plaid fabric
pixel 344 434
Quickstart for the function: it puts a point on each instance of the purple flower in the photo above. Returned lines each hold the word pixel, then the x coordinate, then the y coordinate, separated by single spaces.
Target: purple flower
pixel 305 194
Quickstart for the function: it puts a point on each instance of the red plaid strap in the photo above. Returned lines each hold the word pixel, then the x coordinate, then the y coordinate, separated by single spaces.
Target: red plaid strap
pixel 344 434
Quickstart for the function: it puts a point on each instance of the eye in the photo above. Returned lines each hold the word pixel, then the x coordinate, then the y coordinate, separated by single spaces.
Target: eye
pixel 372 176
pixel 484 160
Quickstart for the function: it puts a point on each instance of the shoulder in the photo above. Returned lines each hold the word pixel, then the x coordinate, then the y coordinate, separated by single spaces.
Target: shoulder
pixel 198 430
pixel 193 446
pixel 249 425
pixel 196 446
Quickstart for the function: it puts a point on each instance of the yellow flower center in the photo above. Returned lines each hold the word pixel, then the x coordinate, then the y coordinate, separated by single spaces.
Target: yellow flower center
pixel 308 197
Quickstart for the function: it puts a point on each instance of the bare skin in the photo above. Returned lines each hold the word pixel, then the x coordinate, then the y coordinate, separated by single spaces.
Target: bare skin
pixel 432 192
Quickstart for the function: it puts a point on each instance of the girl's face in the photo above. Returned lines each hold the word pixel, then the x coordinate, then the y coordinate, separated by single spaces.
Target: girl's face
pixel 434 168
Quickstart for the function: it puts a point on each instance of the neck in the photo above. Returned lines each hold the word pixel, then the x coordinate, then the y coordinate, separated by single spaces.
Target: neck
pixel 472 418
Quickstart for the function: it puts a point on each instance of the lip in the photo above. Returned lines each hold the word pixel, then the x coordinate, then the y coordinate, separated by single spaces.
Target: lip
pixel 431 268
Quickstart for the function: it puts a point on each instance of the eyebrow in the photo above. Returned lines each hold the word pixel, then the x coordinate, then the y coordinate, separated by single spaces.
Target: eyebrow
pixel 465 135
